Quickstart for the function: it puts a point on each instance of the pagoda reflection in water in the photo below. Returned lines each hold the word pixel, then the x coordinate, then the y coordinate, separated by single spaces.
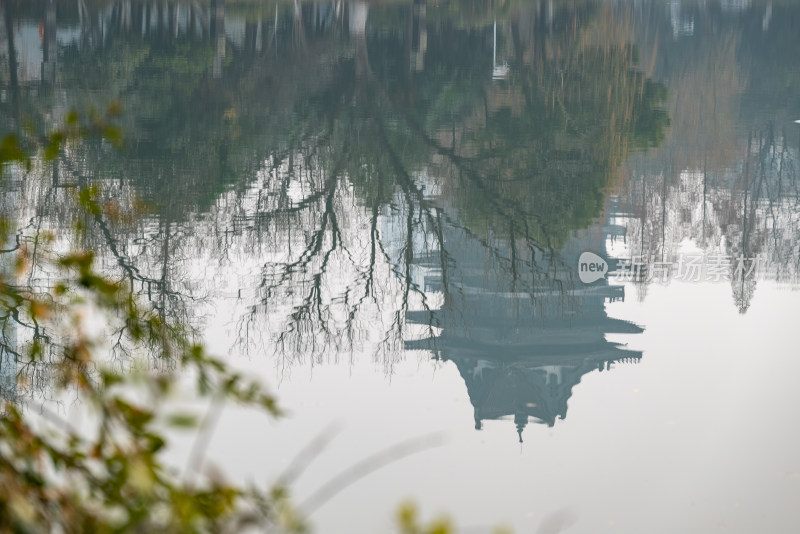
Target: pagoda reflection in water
pixel 520 342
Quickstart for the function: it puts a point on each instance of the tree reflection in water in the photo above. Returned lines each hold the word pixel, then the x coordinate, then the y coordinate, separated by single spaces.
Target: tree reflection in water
pixel 357 178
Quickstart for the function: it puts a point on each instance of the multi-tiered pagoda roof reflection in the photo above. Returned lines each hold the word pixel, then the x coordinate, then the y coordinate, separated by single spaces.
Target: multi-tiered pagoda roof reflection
pixel 522 336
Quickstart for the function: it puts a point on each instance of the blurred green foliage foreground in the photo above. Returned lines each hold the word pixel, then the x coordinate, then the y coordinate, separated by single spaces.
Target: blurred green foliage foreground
pixel 109 475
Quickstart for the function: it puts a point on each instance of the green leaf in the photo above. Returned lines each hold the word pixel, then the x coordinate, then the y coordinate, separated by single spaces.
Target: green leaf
pixel 11 151
pixel 182 420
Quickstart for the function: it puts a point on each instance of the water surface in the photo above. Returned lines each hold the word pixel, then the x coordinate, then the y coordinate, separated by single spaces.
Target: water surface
pixel 380 208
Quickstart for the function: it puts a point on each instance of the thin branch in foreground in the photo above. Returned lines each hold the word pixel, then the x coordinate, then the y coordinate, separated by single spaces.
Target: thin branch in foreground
pixel 369 465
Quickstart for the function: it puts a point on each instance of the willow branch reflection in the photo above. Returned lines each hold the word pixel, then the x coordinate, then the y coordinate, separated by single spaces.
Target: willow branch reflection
pixel 349 178
pixel 346 182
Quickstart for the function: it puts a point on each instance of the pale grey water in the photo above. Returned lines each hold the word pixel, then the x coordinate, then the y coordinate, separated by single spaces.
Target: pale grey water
pixel 380 208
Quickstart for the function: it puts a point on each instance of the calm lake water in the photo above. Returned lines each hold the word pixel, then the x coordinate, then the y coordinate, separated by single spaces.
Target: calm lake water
pixel 537 262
